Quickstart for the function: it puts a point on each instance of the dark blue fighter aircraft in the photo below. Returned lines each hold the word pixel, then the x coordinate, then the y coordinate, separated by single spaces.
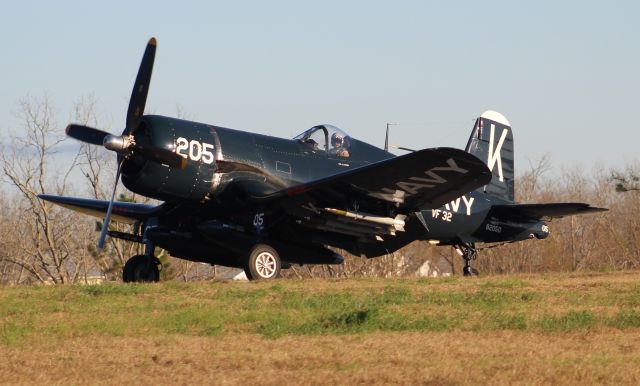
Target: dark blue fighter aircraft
pixel 262 203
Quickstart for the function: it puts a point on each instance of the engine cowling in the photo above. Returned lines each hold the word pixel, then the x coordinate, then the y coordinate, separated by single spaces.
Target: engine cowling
pixel 195 141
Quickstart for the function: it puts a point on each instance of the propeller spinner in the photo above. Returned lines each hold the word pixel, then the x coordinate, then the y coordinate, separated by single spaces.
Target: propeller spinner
pixel 125 144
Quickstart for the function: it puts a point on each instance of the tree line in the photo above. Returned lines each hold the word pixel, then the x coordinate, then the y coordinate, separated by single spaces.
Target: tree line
pixel 43 243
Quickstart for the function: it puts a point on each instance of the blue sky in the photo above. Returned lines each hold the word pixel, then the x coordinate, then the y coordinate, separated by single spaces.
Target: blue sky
pixel 565 74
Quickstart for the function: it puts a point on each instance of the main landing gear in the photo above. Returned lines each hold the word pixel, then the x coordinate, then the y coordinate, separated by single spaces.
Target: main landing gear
pixel 142 268
pixel 262 263
pixel 468 252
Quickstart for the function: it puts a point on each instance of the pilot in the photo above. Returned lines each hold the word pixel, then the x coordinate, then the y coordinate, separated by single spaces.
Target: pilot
pixel 339 146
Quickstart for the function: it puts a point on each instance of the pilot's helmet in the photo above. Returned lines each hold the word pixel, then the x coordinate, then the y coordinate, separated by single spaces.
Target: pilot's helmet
pixel 337 140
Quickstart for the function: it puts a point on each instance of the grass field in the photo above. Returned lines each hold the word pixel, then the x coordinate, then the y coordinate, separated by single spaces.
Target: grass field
pixel 555 328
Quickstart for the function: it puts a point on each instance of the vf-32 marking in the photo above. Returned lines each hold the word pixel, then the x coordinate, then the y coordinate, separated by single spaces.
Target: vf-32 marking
pixel 453 207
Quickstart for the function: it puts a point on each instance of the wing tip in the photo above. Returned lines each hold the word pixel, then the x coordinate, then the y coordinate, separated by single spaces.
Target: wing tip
pixel 47 197
pixel 596 209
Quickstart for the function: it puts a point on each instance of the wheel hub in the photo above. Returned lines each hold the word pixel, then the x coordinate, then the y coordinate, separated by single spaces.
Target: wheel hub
pixel 266 265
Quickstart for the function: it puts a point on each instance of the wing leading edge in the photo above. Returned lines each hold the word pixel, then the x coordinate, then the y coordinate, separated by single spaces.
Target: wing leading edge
pixel 124 212
pixel 539 211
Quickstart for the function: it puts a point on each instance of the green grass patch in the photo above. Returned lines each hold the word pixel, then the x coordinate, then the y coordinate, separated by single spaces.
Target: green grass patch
pixel 43 314
pixel 505 321
pixel 625 319
pixel 13 333
pixel 199 321
pixel 113 289
pixel 505 283
pixel 571 320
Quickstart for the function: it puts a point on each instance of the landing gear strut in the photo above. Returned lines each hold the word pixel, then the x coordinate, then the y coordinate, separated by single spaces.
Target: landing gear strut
pixel 468 252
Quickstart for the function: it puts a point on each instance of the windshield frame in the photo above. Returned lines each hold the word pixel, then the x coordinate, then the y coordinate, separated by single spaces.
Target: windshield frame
pixel 310 137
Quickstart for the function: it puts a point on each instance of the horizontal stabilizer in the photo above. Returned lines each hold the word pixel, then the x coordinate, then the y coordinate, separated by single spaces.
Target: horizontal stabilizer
pixel 538 211
pixel 124 212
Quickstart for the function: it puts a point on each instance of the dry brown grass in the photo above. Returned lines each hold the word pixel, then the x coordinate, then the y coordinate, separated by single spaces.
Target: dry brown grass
pixel 603 357
pixel 595 354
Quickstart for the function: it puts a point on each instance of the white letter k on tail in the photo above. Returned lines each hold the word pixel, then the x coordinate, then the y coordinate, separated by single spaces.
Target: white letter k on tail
pixel 494 155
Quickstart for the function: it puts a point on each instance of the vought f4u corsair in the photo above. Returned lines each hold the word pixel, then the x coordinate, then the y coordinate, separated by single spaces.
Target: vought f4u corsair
pixel 262 203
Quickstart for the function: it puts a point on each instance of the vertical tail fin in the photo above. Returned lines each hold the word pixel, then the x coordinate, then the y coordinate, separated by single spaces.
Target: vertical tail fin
pixel 492 141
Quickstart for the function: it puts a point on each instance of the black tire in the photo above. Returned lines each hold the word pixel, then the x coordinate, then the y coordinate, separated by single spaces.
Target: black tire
pixel 263 263
pixel 141 269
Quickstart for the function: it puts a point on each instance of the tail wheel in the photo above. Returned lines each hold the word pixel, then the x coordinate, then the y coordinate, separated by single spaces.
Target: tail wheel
pixel 263 263
pixel 469 271
pixel 141 269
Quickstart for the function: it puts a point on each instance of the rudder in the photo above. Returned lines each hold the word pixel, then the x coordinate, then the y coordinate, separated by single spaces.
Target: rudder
pixel 491 140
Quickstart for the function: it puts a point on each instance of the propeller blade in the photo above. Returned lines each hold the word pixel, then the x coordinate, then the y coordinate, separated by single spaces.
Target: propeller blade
pixel 86 134
pixel 161 155
pixel 141 87
pixel 107 217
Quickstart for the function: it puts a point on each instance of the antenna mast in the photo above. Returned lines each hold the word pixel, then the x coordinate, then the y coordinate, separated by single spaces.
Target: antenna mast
pixel 386 137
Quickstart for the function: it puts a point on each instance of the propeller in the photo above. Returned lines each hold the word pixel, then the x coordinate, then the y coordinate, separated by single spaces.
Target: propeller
pixel 86 134
pixel 141 87
pixel 107 217
pixel 125 144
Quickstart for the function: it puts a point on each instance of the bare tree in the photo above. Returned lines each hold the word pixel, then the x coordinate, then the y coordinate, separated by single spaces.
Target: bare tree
pixel 98 167
pixel 43 235
pixel 628 180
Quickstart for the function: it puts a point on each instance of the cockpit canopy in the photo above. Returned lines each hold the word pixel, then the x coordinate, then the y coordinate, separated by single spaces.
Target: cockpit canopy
pixel 327 138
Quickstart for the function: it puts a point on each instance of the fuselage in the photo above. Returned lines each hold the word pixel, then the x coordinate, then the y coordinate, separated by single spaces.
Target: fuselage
pixel 470 219
pixel 225 165
pixel 218 156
